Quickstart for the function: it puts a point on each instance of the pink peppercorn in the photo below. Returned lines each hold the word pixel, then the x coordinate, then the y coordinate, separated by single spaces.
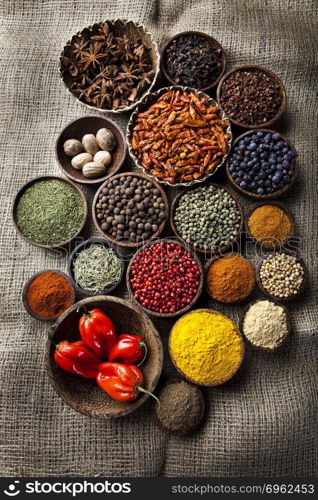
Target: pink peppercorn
pixel 164 277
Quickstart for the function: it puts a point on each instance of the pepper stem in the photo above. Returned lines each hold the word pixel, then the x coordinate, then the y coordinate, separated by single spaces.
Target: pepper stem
pixel 141 389
pixel 86 312
pixel 55 345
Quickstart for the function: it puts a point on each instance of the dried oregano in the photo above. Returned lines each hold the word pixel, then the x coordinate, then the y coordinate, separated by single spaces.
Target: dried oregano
pixel 50 212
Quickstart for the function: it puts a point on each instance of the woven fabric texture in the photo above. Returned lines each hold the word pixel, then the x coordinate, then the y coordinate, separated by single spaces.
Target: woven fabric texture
pixel 263 422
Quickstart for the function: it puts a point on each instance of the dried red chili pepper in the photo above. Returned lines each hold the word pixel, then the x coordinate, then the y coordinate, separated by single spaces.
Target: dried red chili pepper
pixel 77 358
pixel 121 382
pixel 179 122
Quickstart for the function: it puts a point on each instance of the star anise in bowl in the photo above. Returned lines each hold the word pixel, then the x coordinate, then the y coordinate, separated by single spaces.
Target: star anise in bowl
pixel 111 65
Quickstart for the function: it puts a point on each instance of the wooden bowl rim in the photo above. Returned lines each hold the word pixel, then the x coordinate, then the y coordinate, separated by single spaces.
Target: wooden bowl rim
pixel 302 286
pixel 82 246
pixel 196 297
pixel 133 405
pixel 146 103
pixel 267 196
pixel 273 75
pixel 127 244
pixel 213 43
pixel 209 263
pixel 242 354
pixel 177 380
pixel 156 63
pixel 122 149
pixel 277 204
pixel 221 250
pixel 288 321
pixel 28 283
pixel 39 179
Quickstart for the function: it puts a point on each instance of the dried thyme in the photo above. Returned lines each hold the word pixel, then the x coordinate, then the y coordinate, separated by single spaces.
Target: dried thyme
pixel 50 212
pixel 97 268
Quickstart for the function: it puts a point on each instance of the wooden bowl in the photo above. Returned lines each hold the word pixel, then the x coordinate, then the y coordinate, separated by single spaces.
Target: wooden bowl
pixel 85 396
pixel 267 196
pixel 76 130
pixel 181 311
pixel 42 178
pixel 129 244
pixel 120 27
pixel 259 348
pixel 145 104
pixel 202 404
pixel 273 76
pixel 274 297
pixel 213 43
pixel 218 382
pixel 220 250
pixel 82 246
pixel 206 270
pixel 26 287
pixel 274 204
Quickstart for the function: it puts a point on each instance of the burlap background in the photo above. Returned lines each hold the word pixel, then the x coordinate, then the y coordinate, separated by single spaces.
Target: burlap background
pixel 264 422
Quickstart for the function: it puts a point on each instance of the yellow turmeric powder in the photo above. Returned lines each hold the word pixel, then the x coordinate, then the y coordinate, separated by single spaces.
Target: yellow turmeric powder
pixel 270 225
pixel 206 347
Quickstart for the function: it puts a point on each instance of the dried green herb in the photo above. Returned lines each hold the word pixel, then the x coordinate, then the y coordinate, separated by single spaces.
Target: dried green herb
pixel 50 212
pixel 97 268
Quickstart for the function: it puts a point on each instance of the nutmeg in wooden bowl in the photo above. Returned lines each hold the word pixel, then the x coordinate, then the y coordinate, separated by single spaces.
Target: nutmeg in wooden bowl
pixel 77 129
pixel 263 164
pixel 83 395
pixel 165 278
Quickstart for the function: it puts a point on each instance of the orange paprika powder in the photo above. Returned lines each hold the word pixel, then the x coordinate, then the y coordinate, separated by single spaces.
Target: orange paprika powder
pixel 230 278
pixel 49 295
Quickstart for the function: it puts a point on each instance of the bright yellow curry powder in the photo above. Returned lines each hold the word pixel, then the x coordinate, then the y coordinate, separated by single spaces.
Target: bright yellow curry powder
pixel 206 347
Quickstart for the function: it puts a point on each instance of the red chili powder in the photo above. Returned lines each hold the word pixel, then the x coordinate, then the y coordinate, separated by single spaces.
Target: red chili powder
pixel 49 295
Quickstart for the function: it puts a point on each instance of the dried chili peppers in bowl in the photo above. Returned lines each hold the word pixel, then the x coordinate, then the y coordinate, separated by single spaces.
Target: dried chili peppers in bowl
pixel 179 136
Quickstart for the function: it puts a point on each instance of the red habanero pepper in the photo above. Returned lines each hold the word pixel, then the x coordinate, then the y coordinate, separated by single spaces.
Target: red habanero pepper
pixel 98 332
pixel 121 382
pixel 129 349
pixel 76 357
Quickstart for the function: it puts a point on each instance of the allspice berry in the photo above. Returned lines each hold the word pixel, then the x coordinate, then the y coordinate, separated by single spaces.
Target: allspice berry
pixel 181 407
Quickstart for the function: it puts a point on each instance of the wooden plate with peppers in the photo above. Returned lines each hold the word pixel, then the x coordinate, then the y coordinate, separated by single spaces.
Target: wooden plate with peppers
pixel 104 357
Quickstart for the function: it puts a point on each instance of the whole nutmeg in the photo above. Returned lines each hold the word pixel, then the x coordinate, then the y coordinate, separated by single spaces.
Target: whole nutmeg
pixel 90 144
pixel 93 169
pixel 72 147
pixel 80 160
pixel 103 157
pixel 106 139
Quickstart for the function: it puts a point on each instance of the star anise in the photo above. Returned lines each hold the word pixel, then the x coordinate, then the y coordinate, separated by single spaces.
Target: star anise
pixel 92 56
pixel 106 70
pixel 128 73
